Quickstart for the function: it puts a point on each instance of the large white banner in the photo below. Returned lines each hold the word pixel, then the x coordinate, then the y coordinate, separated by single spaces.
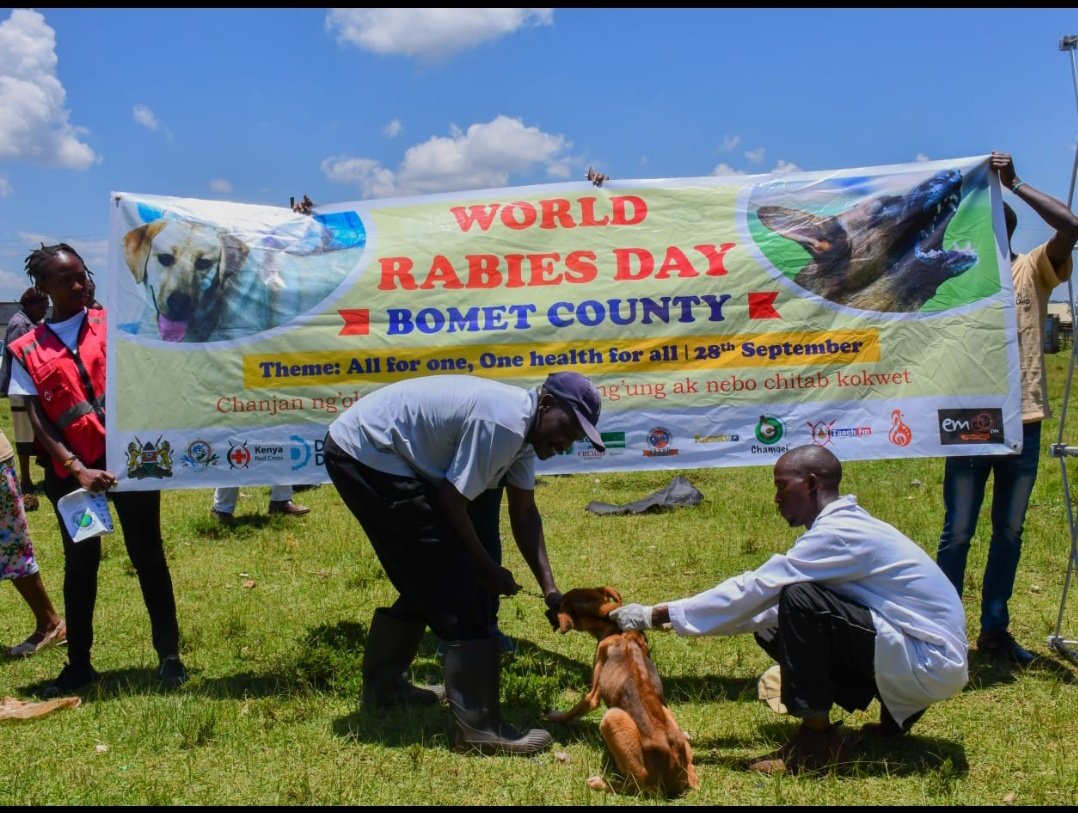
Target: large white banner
pixel 724 319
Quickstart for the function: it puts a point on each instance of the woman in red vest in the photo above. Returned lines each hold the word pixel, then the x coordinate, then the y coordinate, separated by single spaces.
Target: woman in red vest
pixel 61 370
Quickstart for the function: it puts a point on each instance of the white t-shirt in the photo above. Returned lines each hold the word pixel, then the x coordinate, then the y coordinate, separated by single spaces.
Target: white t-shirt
pixel 66 331
pixel 921 648
pixel 467 429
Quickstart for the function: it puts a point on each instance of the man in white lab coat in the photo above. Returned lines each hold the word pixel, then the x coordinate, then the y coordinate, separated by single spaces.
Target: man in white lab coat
pixel 853 611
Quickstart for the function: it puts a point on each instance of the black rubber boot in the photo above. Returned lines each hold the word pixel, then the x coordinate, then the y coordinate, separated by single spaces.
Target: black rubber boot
pixel 472 682
pixel 391 646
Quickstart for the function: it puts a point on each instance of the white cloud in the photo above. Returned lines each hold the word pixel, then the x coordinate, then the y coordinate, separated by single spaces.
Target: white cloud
pixel 36 240
pixel 729 144
pixel 726 169
pixel 34 125
pixel 220 185
pixel 5 187
pixel 756 156
pixel 561 169
pixel 921 158
pixel 428 33
pixel 781 168
pixel 366 173
pixel 392 130
pixel 94 252
pixel 144 116
pixel 483 156
pixel 13 284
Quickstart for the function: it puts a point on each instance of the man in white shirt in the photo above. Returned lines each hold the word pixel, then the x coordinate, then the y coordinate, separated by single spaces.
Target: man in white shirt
pixel 854 610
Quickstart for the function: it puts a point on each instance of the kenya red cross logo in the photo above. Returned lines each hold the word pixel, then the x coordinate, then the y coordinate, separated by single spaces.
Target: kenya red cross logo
pixel 238 456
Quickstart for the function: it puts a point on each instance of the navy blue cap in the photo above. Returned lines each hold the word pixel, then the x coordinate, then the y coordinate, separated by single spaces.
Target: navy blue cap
pixel 579 394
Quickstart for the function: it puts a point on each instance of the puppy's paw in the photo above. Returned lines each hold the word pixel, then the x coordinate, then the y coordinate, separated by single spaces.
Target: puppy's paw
pixel 598 783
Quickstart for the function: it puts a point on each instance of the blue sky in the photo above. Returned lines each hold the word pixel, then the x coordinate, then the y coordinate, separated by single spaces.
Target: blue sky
pixel 257 106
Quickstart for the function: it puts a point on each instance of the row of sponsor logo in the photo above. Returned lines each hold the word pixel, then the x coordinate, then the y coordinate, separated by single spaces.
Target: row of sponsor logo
pixel 956 427
pixel 156 458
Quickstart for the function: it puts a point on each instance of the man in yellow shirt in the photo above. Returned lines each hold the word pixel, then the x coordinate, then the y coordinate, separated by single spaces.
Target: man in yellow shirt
pixel 1035 274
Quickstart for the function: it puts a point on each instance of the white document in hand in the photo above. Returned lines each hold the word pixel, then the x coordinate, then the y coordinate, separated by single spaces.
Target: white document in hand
pixel 85 514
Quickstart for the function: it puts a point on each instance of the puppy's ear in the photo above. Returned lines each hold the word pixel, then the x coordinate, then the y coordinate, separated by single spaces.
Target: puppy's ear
pixel 612 594
pixel 137 245
pixel 233 255
pixel 565 622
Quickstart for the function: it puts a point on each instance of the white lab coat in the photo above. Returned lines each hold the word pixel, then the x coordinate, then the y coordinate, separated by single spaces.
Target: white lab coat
pixel 921 647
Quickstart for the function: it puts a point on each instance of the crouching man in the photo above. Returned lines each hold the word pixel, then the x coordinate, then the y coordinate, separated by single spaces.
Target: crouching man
pixel 855 610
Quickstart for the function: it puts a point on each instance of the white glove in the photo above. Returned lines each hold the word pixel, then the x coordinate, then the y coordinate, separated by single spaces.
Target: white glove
pixel 632 617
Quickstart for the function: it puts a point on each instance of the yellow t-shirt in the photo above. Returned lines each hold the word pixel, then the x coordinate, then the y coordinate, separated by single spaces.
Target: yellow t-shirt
pixel 1034 278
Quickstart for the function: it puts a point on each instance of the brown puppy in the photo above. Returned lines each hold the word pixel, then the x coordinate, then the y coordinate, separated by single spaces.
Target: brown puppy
pixel 649 747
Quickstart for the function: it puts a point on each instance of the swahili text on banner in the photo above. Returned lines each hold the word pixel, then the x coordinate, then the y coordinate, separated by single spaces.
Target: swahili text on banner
pixel 723 319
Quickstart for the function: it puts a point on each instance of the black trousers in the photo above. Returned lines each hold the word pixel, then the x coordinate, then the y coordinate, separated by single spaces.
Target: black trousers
pixel 485 513
pixel 139 514
pixel 826 646
pixel 422 555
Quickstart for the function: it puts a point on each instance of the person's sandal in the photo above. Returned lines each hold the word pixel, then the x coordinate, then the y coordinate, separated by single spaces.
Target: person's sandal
pixel 39 641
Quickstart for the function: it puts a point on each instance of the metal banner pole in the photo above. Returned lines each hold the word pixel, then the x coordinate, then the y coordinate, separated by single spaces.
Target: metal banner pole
pixel 1062 451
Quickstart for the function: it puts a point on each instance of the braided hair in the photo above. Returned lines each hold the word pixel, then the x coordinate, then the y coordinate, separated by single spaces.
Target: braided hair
pixel 38 259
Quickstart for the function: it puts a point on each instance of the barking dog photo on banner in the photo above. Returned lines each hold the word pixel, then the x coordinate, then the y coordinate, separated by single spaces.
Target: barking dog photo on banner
pixel 889 244
pixel 251 270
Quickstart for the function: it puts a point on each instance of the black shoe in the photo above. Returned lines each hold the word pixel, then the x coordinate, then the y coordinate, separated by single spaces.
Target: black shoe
pixel 72 678
pixel 887 728
pixel 224 517
pixel 171 672
pixel 1001 644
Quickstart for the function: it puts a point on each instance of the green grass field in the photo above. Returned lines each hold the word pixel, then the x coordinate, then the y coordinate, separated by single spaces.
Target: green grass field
pixel 273 615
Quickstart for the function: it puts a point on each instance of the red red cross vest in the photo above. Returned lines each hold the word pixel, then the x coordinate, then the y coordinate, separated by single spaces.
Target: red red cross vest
pixel 70 387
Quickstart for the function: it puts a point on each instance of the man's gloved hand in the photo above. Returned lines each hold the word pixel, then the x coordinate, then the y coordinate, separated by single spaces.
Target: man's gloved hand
pixel 632 617
pixel 552 616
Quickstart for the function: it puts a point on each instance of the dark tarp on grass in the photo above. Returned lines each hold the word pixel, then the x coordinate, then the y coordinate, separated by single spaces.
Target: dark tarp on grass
pixel 679 493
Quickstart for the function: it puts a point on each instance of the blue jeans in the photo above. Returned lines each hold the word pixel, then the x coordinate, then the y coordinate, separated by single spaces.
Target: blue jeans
pixel 964 482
